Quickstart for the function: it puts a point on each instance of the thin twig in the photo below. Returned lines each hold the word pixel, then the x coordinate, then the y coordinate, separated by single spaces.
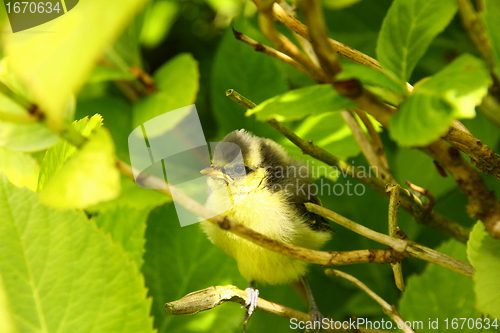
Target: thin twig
pixel 394 231
pixel 319 39
pixel 367 147
pixel 482 203
pixel 490 107
pixel 212 297
pixel 145 79
pixel 429 205
pixel 386 307
pixel 475 28
pixel 481 156
pixel 259 47
pixel 345 51
pixel 209 298
pixel 304 43
pixel 282 43
pixel 128 90
pixel 376 141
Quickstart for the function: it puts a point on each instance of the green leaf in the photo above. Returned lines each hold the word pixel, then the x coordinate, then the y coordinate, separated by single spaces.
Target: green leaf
pixel 133 196
pixel 370 77
pixel 160 16
pixel 175 259
pixel 328 131
pixel 127 226
pixel 491 16
pixel 177 81
pixel 9 106
pixel 450 94
pixel 27 137
pixel 484 254
pixel 56 156
pixel 55 65
pixel 407 31
pixel 102 73
pixel 423 172
pixel 298 103
pixel 365 19
pixel 11 80
pixel 339 4
pixel 88 177
pixel 6 320
pixel 61 274
pixel 439 293
pixel 117 117
pixel 21 169
pixel 126 52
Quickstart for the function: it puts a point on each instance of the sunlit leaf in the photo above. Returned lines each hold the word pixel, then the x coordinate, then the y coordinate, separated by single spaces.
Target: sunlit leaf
pixel 160 16
pixel 339 4
pixel 127 226
pixel 132 195
pixel 6 320
pixel 54 264
pixel 54 63
pixel 56 156
pixel 177 83
pixel 103 73
pixel 21 169
pixel 484 254
pixel 407 31
pixel 450 94
pixel 298 103
pixel 491 15
pixel 26 137
pixel 86 178
pixel 371 77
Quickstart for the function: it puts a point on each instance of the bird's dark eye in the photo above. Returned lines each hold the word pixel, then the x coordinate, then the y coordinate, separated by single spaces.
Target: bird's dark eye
pixel 239 169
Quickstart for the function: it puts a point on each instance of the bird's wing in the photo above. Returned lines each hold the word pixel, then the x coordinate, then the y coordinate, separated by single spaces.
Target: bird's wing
pixel 317 222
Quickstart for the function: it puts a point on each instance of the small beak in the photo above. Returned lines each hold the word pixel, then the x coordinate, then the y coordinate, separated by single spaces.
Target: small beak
pixel 216 174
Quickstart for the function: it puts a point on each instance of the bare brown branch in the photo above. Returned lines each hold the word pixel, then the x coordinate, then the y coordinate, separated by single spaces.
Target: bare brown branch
pixel 259 47
pixel 283 44
pixel 345 51
pixel 481 156
pixel 319 39
pixel 393 227
pixel 386 307
pixel 209 298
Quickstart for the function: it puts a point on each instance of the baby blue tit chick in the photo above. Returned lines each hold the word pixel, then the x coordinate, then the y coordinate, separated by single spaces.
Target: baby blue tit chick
pixel 265 189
